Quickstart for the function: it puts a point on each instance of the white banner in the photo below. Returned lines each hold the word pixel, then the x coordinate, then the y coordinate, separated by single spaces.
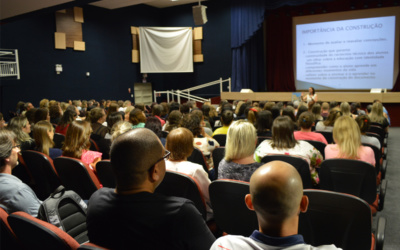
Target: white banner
pixel 166 49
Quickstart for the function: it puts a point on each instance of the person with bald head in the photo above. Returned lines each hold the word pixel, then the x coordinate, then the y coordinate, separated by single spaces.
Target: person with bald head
pixel 132 216
pixel 276 195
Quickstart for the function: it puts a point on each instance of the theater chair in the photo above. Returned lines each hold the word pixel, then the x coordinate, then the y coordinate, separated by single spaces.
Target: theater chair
pixel 320 146
pixel 340 219
pixel 300 164
pixel 353 177
pixel 328 136
pixel 218 154
pixel 8 240
pixel 105 174
pixel 58 140
pixel 77 176
pixel 230 211
pixel 37 234
pixel 43 173
pixel 221 139
pixel 380 163
pixel 183 185
pixel 198 157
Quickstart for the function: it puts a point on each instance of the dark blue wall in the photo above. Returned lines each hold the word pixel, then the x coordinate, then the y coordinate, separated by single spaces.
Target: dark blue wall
pixel 108 54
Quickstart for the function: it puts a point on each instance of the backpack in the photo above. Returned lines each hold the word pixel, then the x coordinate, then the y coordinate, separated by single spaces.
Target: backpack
pixel 67 211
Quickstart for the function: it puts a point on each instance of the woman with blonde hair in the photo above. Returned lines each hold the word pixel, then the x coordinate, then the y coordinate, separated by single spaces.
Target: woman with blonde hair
pixel 180 144
pixel 77 143
pixel 377 116
pixel 21 127
pixel 284 143
pixel 43 133
pixel 345 109
pixel 347 137
pixel 239 163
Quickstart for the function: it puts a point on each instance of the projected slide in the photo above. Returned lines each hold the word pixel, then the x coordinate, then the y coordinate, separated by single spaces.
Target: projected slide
pixel 347 54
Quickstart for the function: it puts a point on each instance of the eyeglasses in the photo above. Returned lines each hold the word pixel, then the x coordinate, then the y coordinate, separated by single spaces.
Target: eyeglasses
pixel 165 157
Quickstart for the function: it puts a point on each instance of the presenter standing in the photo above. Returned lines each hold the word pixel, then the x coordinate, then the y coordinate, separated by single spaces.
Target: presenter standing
pixel 310 97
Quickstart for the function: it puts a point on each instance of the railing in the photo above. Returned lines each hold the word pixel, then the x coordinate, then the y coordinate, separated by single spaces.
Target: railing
pixel 186 92
pixel 9 65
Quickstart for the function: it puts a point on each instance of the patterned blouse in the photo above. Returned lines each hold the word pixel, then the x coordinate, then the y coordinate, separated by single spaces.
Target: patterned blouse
pixel 236 171
pixel 302 149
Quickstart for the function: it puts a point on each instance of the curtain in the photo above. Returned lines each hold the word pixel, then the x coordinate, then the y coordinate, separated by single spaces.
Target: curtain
pixel 166 49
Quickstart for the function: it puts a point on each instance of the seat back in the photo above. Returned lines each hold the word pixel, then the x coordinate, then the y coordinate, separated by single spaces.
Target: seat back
pixel 262 138
pixel 76 176
pixel 8 238
pixel 378 130
pixel 218 154
pixel 378 156
pixel 300 164
pixel 43 173
pixel 93 145
pixel 328 136
pixel 353 177
pixel 58 140
pixel 221 139
pixel 182 185
pixel 198 157
pixel 37 234
pixel 335 218
pixel 320 146
pixel 105 174
pixel 230 211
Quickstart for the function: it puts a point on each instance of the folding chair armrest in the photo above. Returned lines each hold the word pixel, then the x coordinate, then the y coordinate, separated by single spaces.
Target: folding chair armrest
pixel 380 233
pixel 382 194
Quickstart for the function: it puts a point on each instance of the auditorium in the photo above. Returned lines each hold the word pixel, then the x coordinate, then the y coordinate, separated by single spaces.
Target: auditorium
pixel 248 85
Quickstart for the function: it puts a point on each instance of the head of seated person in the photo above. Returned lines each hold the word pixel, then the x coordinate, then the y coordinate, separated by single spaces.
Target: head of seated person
pixel 306 120
pixel 227 118
pixel 282 133
pixel 97 115
pixel 347 137
pixel 77 139
pixel 241 141
pixel 180 144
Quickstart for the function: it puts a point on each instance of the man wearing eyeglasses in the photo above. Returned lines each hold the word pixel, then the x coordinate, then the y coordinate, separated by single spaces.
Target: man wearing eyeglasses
pixel 132 216
pixel 14 194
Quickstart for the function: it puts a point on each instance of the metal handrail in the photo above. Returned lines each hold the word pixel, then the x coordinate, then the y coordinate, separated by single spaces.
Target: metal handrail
pixel 186 92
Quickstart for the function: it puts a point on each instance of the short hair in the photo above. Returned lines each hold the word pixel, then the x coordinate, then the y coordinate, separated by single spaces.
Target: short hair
pixel 240 140
pixel 154 124
pixel 77 139
pixel 54 111
pixel 347 136
pixel 306 120
pixel 96 114
pixel 41 136
pixel 282 133
pixel 264 121
pixel 136 116
pixel 30 114
pixel 191 122
pixel 269 105
pixel 227 117
pixel 173 106
pixel 325 106
pixel 179 143
pixel 363 122
pixel 7 138
pixel 41 114
pixel 185 108
pixel 44 103
pixel 140 106
pixel 133 153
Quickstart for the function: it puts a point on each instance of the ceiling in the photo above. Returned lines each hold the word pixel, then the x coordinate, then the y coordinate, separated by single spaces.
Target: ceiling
pixel 13 8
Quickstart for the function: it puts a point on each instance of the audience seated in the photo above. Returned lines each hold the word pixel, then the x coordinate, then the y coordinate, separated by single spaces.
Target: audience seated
pixel 97 117
pixel 202 140
pixel 306 120
pixel 112 119
pixel 239 163
pixel 68 117
pixel 276 195
pixel 327 125
pixel 364 122
pixel 43 133
pixel 174 120
pixel 347 137
pixel 377 116
pixel 14 194
pixel 55 113
pixel 180 144
pixel 21 128
pixel 283 142
pixel 226 120
pixel 264 123
pixel 203 124
pixel 77 144
pixel 137 118
pixel 132 215
pixel 156 112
